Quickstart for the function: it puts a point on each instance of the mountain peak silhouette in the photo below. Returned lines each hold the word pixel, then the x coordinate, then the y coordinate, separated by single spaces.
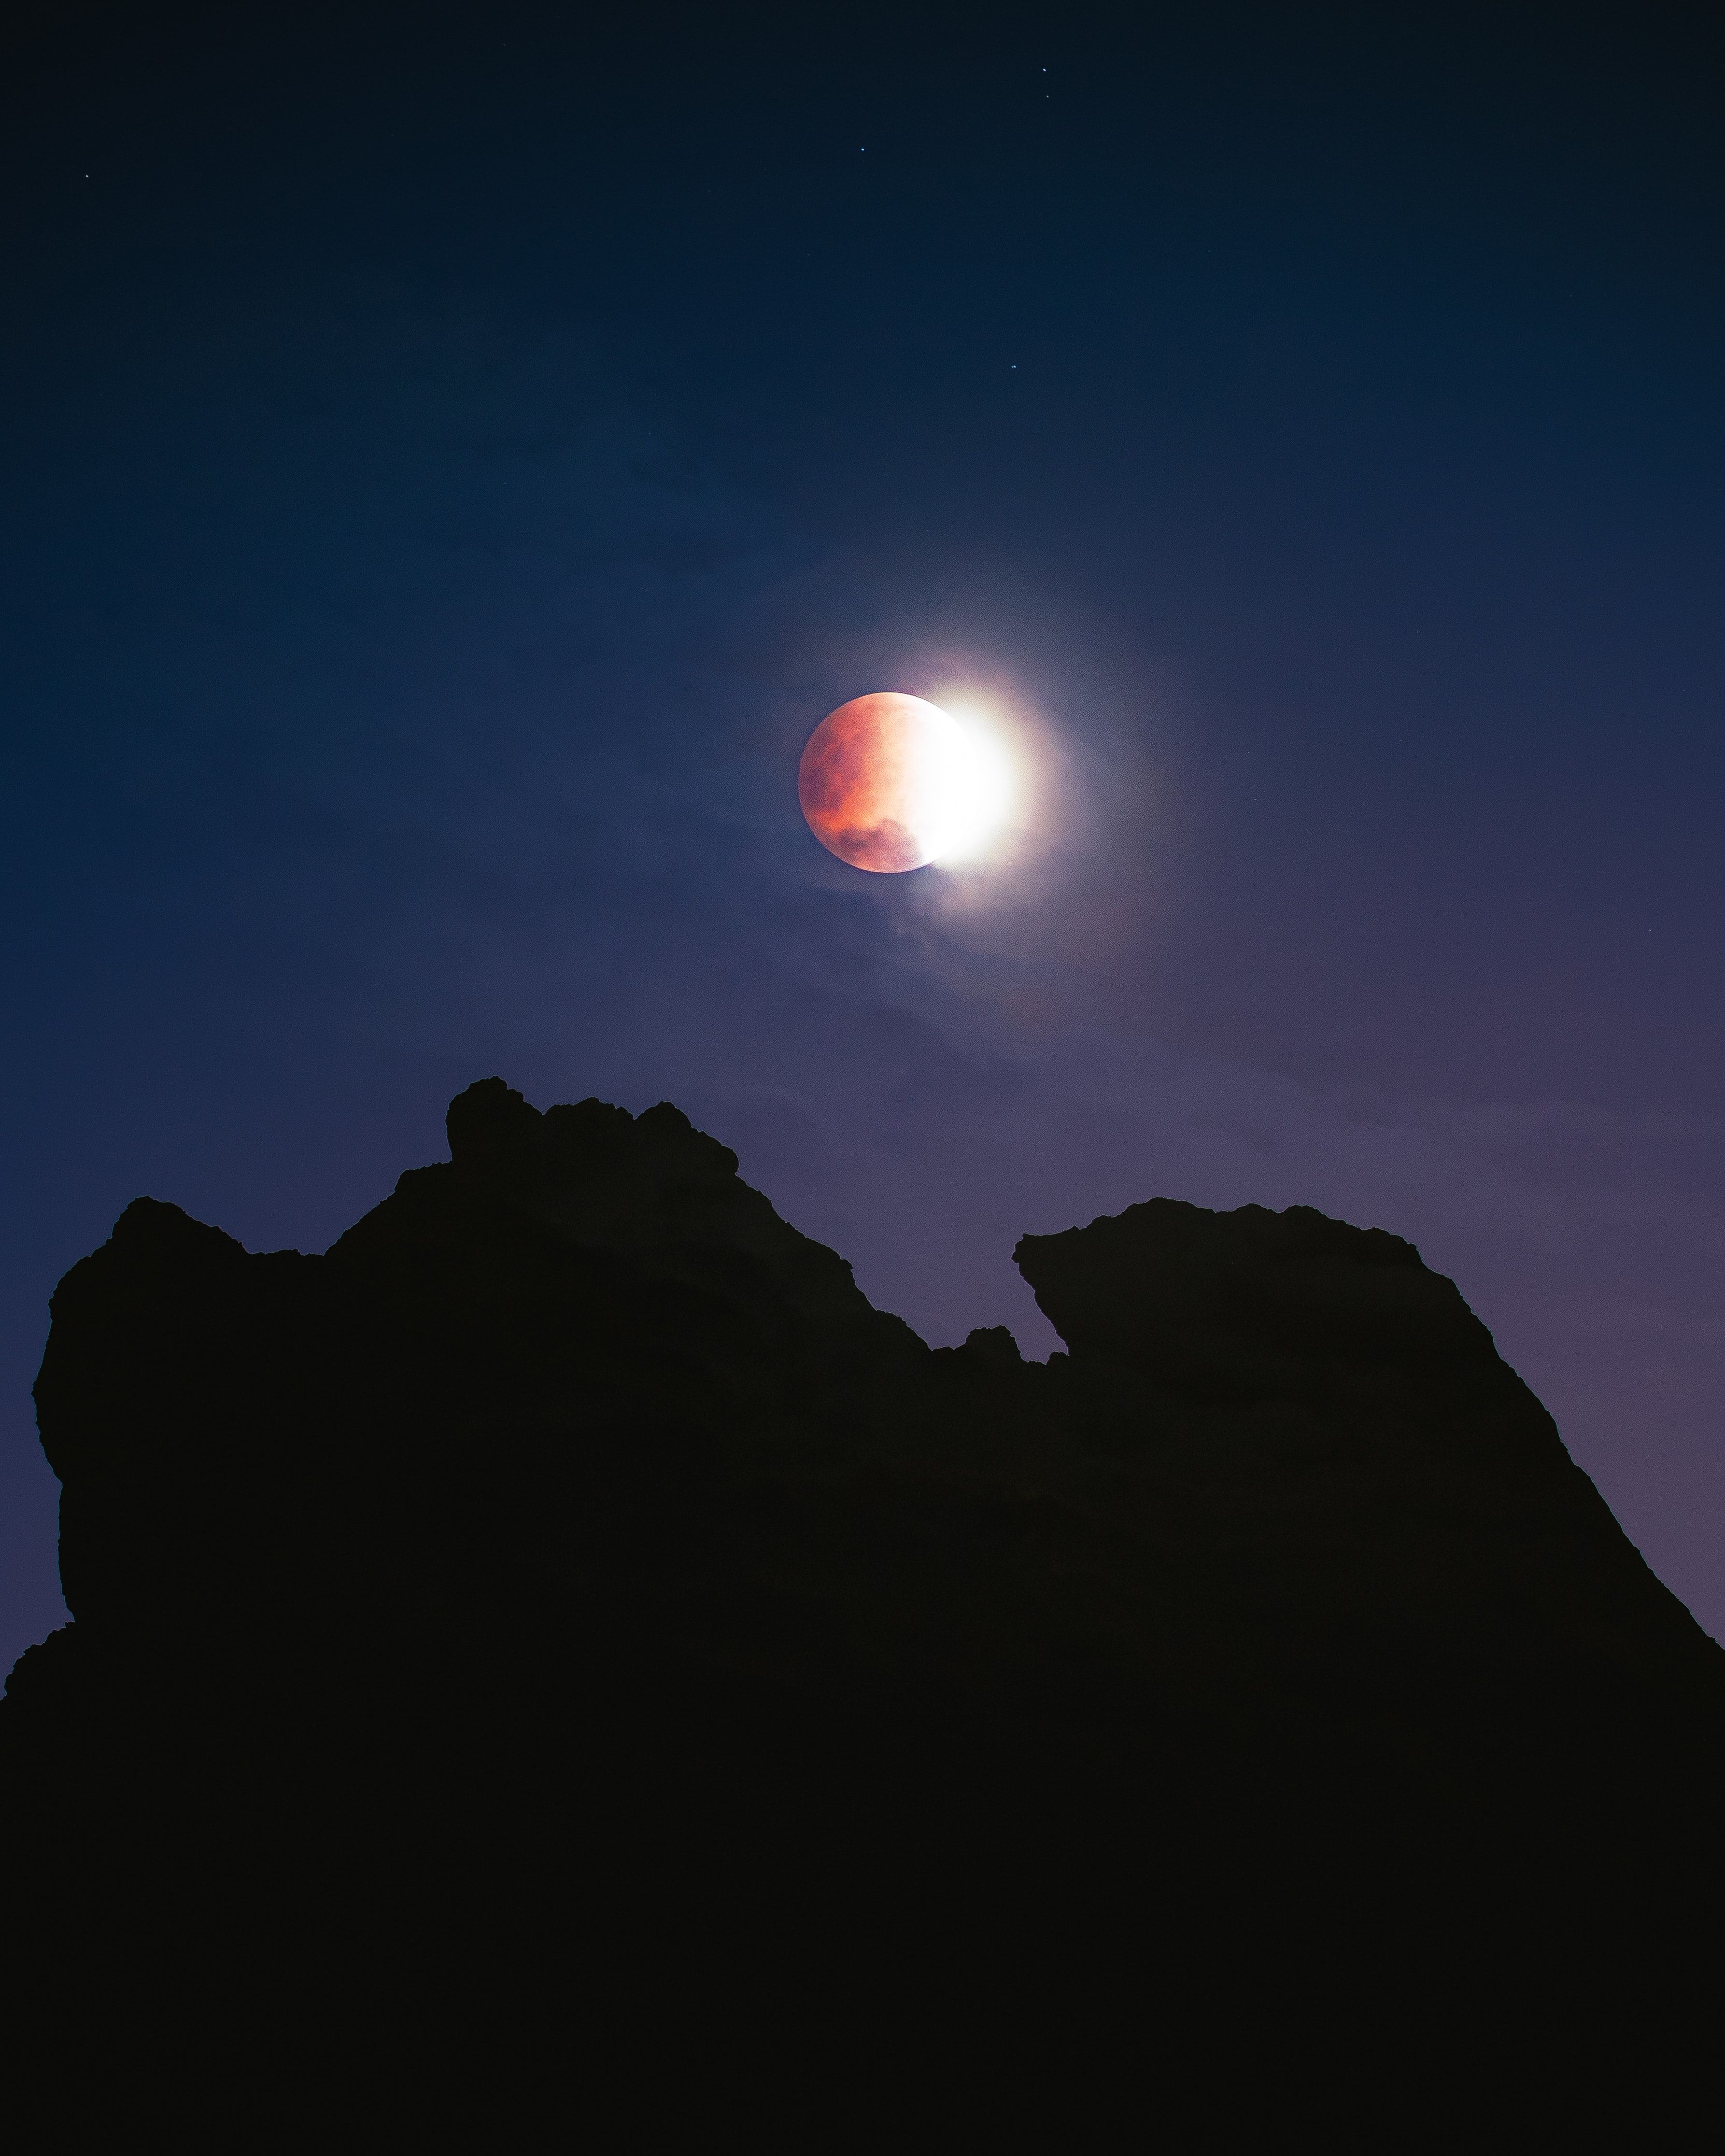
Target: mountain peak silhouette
pixel 575 1534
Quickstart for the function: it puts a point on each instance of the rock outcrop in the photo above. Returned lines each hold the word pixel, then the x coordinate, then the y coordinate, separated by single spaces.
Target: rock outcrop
pixel 572 1561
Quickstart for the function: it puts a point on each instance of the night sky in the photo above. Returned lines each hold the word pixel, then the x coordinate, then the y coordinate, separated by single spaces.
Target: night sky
pixel 453 457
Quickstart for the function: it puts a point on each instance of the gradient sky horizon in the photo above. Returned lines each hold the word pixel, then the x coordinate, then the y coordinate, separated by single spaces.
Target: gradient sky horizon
pixel 453 459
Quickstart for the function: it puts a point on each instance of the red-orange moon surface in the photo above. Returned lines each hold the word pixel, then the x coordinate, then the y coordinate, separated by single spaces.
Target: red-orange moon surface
pixel 862 781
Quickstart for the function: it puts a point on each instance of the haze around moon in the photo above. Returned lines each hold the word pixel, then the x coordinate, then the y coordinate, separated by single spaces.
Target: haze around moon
pixel 889 782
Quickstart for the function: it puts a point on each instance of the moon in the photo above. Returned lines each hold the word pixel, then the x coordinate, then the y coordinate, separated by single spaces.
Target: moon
pixel 889 782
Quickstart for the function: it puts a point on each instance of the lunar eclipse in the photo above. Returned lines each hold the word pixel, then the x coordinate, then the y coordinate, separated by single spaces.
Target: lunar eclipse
pixel 889 782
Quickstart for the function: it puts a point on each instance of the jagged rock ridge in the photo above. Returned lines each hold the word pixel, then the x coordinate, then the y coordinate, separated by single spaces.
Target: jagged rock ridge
pixel 574 1500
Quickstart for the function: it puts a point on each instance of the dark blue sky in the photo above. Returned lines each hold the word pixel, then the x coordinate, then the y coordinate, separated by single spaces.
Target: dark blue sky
pixel 452 458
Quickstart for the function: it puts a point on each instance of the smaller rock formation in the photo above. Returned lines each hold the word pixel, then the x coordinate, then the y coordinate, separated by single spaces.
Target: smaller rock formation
pixel 1260 1305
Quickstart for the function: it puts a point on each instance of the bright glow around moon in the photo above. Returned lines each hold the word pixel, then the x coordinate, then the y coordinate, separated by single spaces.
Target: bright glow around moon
pixel 890 782
pixel 969 787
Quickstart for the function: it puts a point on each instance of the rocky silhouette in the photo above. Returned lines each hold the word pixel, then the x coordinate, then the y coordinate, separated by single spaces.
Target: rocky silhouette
pixel 568 1597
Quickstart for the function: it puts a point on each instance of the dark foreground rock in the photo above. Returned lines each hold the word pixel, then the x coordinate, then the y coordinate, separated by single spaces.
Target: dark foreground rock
pixel 563 1647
